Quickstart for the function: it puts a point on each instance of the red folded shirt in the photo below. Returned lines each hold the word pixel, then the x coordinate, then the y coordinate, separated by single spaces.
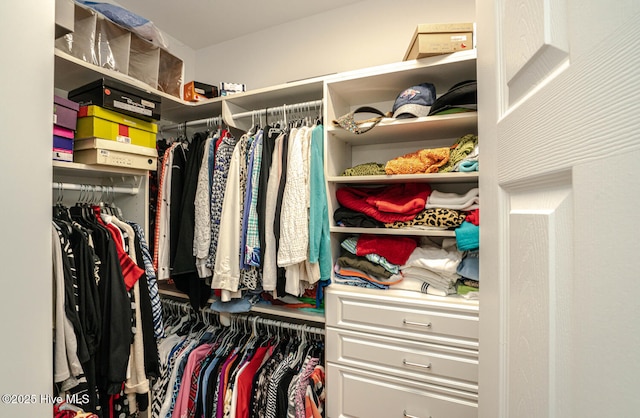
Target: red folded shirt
pixel 473 217
pixel 395 249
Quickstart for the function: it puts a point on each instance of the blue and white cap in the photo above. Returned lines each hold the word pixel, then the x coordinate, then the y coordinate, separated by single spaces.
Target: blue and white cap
pixel 415 101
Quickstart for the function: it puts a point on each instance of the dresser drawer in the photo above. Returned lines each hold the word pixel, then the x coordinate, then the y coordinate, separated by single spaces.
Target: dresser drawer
pixel 356 393
pixel 430 363
pixel 447 321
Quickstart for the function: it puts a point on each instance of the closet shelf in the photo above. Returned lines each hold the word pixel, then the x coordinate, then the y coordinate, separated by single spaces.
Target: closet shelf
pixel 168 290
pixel 71 72
pixel 377 85
pixel 392 231
pixel 416 129
pixel 63 168
pixel 403 178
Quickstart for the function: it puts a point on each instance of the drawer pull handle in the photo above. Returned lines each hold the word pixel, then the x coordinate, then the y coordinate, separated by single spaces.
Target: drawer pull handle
pixel 418 324
pixel 422 366
pixel 405 415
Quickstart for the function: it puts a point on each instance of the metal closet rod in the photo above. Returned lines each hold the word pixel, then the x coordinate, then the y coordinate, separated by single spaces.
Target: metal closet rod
pixel 296 107
pixel 247 317
pixel 91 188
pixel 197 122
pixel 271 111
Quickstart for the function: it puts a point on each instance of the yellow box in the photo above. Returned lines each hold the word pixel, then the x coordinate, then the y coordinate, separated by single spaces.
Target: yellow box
pixel 95 121
pixel 439 38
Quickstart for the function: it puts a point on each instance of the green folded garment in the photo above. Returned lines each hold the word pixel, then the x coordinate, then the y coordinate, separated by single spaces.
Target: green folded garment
pixel 366 169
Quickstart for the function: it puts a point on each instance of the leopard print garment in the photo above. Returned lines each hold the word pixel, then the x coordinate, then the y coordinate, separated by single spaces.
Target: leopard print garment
pixel 433 217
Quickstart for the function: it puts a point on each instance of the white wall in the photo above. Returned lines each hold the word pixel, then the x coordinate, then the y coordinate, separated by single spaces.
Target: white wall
pixel 365 34
pixel 26 83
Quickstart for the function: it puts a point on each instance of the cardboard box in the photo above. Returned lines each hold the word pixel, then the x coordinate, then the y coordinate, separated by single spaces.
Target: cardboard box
pixel 227 89
pixel 195 91
pixel 60 142
pixel 115 158
pixel 99 143
pixel 63 132
pixel 62 148
pixel 62 155
pixel 65 113
pixel 439 38
pixel 119 97
pixel 64 17
pixel 96 122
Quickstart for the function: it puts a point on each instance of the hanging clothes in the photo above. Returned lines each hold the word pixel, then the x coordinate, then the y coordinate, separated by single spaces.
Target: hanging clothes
pixel 184 273
pixel 232 372
pixel 223 157
pixel 107 324
pixel 267 229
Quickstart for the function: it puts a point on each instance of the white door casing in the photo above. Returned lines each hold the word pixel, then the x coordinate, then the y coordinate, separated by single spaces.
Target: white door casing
pixel 559 130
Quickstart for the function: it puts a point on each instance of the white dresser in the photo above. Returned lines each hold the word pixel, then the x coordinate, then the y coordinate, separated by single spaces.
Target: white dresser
pixel 400 354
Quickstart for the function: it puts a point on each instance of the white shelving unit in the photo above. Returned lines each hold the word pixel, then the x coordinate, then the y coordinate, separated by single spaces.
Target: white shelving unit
pixel 420 350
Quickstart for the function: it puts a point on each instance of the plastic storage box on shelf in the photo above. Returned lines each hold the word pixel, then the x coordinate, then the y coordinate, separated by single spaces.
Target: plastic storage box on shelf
pixel 97 122
pixel 119 97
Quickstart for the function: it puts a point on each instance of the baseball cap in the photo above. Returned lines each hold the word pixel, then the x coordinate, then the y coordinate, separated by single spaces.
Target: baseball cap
pixel 414 101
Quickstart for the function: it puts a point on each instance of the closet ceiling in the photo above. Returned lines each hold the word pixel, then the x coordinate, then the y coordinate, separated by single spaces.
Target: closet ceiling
pixel 201 23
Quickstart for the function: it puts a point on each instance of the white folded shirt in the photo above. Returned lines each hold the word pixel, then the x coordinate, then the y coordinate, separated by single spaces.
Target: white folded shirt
pixel 455 201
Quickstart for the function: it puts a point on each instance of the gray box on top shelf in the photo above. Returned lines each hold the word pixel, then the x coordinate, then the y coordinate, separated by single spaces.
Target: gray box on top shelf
pixel 82 42
pixel 113 43
pixel 155 66
pixel 98 41
pixel 64 17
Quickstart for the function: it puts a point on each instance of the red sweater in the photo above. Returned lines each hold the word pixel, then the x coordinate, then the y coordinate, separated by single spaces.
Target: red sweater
pixel 398 202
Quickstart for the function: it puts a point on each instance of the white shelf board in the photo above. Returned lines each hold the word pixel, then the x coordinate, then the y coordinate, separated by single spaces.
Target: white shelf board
pixel 403 178
pixel 393 231
pixel 384 83
pixel 279 95
pixel 391 130
pixel 63 168
pixel 260 308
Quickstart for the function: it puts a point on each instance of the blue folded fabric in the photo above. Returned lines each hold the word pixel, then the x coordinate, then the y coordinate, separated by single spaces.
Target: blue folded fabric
pixel 233 306
pixel 467 166
pixel 468 237
pixel 469 267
